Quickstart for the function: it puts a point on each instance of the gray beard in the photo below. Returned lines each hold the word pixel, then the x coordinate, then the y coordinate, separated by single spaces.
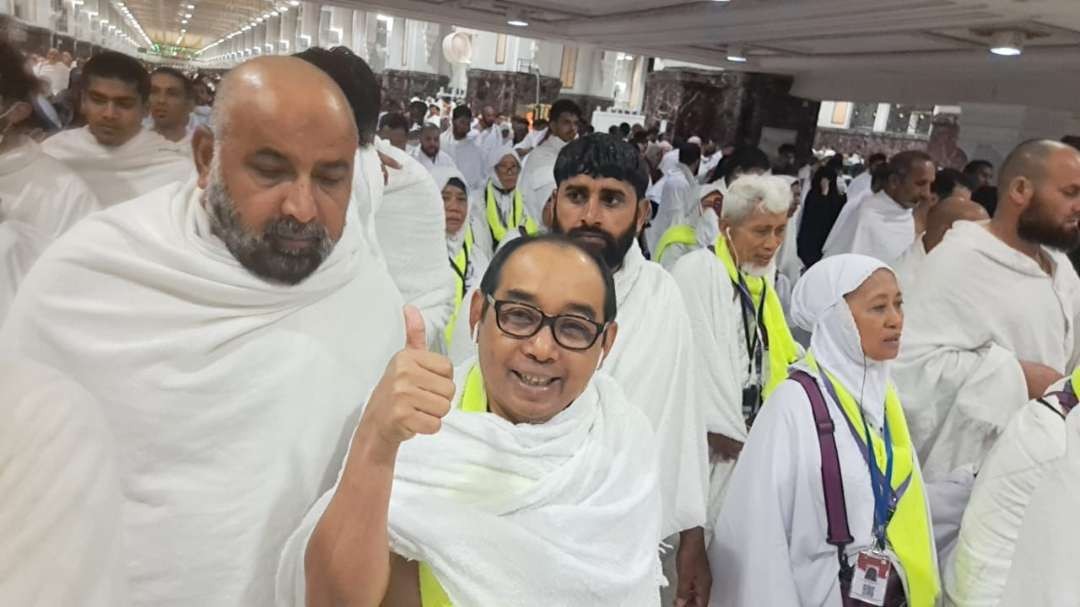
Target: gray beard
pixel 260 253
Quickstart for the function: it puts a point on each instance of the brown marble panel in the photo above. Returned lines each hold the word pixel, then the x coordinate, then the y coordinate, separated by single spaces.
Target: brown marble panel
pixel 508 91
pixel 864 144
pixel 403 85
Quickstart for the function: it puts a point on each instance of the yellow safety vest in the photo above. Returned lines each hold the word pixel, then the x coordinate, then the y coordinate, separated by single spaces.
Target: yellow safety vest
pixel 783 351
pixel 473 400
pixel 517 216
pixel 680 234
pixel 460 264
pixel 909 530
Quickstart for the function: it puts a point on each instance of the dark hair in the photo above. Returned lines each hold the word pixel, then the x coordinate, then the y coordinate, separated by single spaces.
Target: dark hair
pixel 490 282
pixel 118 66
pixel 457 183
pixel 601 155
pixel 394 121
pixel 430 127
pixel 16 82
pixel 356 80
pixel 787 148
pixel 564 106
pixel 189 86
pixel 624 127
pixel 689 153
pixel 876 157
pixel 973 167
pixel 540 123
pixel 515 119
pixel 613 130
pixel 434 106
pixel 462 111
pixel 418 106
pixel 745 159
pixel 987 197
pixel 947 180
pixel 902 163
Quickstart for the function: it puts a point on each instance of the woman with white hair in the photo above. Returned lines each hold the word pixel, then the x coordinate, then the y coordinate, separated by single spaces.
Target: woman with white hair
pixel 738 321
pixel 827 505
pixel 500 203
pixel 467 260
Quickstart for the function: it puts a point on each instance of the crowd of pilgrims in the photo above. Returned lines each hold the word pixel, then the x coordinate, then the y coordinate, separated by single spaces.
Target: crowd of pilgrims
pixel 287 349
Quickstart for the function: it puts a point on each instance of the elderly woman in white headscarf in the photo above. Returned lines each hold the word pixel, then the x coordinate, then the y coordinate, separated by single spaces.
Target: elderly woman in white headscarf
pixel 468 260
pixel 812 513
pixel 500 205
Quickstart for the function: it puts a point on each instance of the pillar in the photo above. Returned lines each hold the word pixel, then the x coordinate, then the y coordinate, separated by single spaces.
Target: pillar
pixel 990 131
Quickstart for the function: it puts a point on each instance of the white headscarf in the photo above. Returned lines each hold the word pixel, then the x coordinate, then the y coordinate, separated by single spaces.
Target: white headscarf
pixel 818 305
pixel 495 156
pixel 705 221
pixel 442 176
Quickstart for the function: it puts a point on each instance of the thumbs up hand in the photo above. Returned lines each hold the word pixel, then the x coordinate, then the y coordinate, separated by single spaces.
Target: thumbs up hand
pixel 414 393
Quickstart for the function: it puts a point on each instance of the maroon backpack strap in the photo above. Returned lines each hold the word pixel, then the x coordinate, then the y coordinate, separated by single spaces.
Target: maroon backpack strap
pixel 839 534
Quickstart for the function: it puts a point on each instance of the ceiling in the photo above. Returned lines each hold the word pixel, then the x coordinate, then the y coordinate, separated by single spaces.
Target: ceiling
pixel 917 51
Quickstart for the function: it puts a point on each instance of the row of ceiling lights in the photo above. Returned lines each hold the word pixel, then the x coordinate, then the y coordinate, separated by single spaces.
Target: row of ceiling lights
pixel 132 22
pixel 185 16
pixel 269 14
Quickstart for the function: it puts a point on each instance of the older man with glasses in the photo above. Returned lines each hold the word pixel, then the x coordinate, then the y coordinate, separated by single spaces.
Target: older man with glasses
pixel 535 484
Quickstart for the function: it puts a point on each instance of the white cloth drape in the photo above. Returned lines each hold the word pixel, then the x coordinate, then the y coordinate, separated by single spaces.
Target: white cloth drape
pixel 20 246
pixel 654 362
pixel 879 228
pixel 1044 563
pixel 966 331
pixel 231 399
pixel 908 264
pixel 1028 448
pixel 467 156
pixel 677 200
pixel 41 191
pixel 560 513
pixel 537 180
pixel 145 163
pixel 61 506
pixel 411 228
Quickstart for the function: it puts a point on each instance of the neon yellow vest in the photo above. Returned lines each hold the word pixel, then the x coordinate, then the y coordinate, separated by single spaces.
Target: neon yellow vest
pixel 517 216
pixel 473 400
pixel 909 530
pixel 783 350
pixel 1075 381
pixel 460 263
pixel 680 234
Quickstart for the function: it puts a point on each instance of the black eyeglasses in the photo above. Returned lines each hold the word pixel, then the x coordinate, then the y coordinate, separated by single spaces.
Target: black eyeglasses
pixel 523 321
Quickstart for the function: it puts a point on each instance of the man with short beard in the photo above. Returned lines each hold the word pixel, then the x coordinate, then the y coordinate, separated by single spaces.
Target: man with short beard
pixel 600 202
pixel 231 330
pixel 992 319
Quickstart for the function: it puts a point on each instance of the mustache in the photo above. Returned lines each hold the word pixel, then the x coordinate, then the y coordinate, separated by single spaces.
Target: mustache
pixel 291 229
pixel 608 238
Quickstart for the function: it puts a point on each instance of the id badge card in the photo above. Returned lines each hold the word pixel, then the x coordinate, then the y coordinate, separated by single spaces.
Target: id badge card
pixel 871 577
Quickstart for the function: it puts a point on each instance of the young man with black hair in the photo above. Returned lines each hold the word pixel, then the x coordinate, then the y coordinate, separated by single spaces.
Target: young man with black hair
pixel 462 147
pixel 114 154
pixel 536 180
pixel 600 202
pixel 172 99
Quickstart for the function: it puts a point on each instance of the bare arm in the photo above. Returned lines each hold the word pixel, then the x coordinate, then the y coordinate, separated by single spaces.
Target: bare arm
pixel 348 562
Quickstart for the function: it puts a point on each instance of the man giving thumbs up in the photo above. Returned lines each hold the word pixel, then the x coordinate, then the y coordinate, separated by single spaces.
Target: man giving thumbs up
pixel 533 483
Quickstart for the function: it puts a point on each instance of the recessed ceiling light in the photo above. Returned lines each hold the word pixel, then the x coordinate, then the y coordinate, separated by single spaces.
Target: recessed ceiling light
pixel 516 18
pixel 294 2
pixel 1008 43
pixel 736 54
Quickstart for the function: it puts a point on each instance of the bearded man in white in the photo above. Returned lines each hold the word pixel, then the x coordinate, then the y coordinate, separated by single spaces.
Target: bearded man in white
pixel 231 330
pixel 975 351
pixel 117 157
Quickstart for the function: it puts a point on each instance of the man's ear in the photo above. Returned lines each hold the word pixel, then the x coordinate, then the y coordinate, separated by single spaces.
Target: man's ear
pixel 1021 191
pixel 609 337
pixel 549 211
pixel 644 214
pixel 202 147
pixel 476 310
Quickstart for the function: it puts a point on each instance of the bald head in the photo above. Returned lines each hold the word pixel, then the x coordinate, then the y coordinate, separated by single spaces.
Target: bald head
pixel 1039 195
pixel 277 170
pixel 945 213
pixel 280 88
pixel 1030 160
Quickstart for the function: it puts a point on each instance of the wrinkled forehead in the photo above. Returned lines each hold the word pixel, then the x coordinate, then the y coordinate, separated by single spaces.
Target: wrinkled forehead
pixel 598 184
pixel 301 131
